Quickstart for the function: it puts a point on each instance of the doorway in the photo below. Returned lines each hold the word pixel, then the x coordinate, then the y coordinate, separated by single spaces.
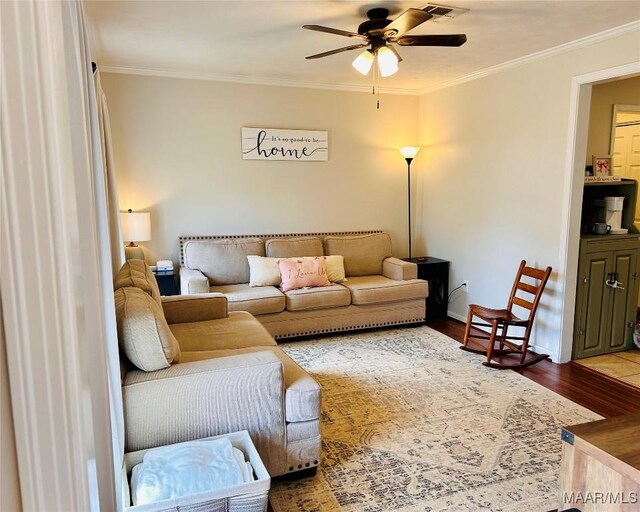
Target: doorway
pixel 601 286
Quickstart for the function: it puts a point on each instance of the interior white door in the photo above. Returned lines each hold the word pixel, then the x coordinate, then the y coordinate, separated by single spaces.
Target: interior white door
pixel 626 155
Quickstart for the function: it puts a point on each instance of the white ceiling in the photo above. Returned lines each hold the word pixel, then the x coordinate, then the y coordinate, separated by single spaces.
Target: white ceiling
pixel 263 40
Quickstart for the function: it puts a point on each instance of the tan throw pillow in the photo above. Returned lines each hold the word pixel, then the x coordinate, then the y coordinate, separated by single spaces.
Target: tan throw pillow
pixel 335 268
pixel 363 254
pixel 293 247
pixel 263 271
pixel 143 332
pixel 137 274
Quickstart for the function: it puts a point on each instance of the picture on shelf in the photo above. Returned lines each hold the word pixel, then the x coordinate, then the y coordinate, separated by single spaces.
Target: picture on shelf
pixel 602 165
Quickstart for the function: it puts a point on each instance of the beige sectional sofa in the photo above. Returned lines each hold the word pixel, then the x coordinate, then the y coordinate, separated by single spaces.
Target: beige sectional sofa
pixel 379 290
pixel 191 369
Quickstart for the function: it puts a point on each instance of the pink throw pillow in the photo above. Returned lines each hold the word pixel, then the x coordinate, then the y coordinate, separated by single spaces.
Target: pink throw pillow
pixel 303 273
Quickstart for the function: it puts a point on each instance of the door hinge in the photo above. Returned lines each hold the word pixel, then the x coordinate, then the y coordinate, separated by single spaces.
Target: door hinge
pixel 635 275
pixel 585 280
pixel 631 324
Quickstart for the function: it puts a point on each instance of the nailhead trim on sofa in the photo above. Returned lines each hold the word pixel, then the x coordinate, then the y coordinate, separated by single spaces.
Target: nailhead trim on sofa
pixel 340 329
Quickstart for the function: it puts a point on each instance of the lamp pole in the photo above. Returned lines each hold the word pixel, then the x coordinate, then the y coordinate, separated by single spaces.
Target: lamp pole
pixel 409 160
pixel 409 153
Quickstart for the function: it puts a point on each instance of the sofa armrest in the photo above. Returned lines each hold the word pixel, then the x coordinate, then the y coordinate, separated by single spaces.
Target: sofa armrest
pixel 193 281
pixel 206 398
pixel 179 309
pixel 399 270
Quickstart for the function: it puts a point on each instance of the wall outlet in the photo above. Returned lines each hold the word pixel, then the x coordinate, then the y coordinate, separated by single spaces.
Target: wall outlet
pixel 465 286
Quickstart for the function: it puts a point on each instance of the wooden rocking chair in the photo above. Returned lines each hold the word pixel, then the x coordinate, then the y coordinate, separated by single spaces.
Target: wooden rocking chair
pixel 503 318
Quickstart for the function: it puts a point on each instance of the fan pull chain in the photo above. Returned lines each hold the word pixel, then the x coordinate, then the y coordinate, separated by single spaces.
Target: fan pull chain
pixel 373 78
pixel 378 88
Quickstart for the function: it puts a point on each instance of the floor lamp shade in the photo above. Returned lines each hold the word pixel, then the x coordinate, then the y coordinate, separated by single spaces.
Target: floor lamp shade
pixel 136 227
pixel 409 151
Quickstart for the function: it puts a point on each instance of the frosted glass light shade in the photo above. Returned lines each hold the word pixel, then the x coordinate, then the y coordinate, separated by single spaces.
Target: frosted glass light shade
pixel 387 61
pixel 409 151
pixel 363 62
pixel 136 227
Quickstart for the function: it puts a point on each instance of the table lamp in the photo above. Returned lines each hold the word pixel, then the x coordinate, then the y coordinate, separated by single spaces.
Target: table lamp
pixel 136 227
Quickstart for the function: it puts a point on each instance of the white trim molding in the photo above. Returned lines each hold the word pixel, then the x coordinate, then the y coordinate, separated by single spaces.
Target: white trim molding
pixel 572 193
pixel 240 79
pixel 49 263
pixel 533 57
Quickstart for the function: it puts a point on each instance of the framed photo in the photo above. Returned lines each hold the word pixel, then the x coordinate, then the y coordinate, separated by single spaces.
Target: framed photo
pixel 602 165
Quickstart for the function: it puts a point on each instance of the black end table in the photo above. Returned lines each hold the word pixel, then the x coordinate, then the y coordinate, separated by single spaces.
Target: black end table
pixel 436 272
pixel 166 282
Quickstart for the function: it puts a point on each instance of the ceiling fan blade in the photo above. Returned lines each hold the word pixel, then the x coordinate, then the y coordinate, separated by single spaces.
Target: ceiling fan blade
pixel 336 31
pixel 339 50
pixel 409 19
pixel 390 46
pixel 433 40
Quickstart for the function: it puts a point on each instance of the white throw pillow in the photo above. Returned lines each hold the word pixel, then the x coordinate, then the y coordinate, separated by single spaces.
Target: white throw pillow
pixel 263 271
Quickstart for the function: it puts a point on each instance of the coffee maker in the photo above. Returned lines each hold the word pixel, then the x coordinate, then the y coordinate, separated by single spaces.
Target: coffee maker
pixel 613 214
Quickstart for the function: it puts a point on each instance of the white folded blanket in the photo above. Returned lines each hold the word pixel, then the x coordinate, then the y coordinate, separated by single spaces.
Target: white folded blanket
pixel 188 468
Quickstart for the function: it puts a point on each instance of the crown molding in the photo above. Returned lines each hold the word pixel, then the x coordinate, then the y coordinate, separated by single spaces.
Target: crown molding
pixel 533 57
pixel 240 79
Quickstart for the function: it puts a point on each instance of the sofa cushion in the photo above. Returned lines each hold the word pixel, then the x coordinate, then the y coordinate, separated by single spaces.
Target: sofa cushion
pixel 143 333
pixel 363 254
pixel 318 298
pixel 293 247
pixel 222 261
pixel 379 289
pixel 239 330
pixel 297 273
pixel 302 392
pixel 137 274
pixel 257 301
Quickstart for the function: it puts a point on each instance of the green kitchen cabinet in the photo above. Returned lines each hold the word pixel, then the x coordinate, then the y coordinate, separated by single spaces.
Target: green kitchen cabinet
pixel 607 295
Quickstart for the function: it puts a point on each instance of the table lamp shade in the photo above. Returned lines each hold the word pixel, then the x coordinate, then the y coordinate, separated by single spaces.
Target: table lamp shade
pixel 136 227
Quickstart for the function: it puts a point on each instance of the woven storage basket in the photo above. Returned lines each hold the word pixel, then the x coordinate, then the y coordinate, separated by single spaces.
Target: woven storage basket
pixel 248 497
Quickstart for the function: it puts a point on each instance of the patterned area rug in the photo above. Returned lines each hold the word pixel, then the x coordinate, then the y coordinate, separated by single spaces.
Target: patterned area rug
pixel 411 423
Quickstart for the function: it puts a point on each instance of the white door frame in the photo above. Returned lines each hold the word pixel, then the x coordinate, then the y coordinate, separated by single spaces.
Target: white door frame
pixel 580 99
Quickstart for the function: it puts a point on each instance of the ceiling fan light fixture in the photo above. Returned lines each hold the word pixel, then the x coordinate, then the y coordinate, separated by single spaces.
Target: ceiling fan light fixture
pixel 387 61
pixel 363 62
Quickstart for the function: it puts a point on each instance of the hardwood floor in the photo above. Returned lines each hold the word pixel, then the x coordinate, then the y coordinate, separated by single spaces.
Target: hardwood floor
pixel 594 391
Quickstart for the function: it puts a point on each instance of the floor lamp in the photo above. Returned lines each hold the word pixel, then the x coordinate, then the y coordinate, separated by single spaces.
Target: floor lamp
pixel 409 153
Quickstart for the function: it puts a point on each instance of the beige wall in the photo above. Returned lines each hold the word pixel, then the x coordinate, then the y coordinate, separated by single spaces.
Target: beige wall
pixel 177 151
pixel 493 175
pixel 603 97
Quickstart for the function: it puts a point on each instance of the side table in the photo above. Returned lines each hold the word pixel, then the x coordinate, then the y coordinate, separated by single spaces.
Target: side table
pixel 600 467
pixel 166 282
pixel 436 272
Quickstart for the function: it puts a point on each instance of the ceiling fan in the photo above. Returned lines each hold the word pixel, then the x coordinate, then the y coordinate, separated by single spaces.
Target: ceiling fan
pixel 379 32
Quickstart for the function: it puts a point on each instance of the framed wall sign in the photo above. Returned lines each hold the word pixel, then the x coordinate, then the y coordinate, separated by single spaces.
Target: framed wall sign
pixel 273 144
